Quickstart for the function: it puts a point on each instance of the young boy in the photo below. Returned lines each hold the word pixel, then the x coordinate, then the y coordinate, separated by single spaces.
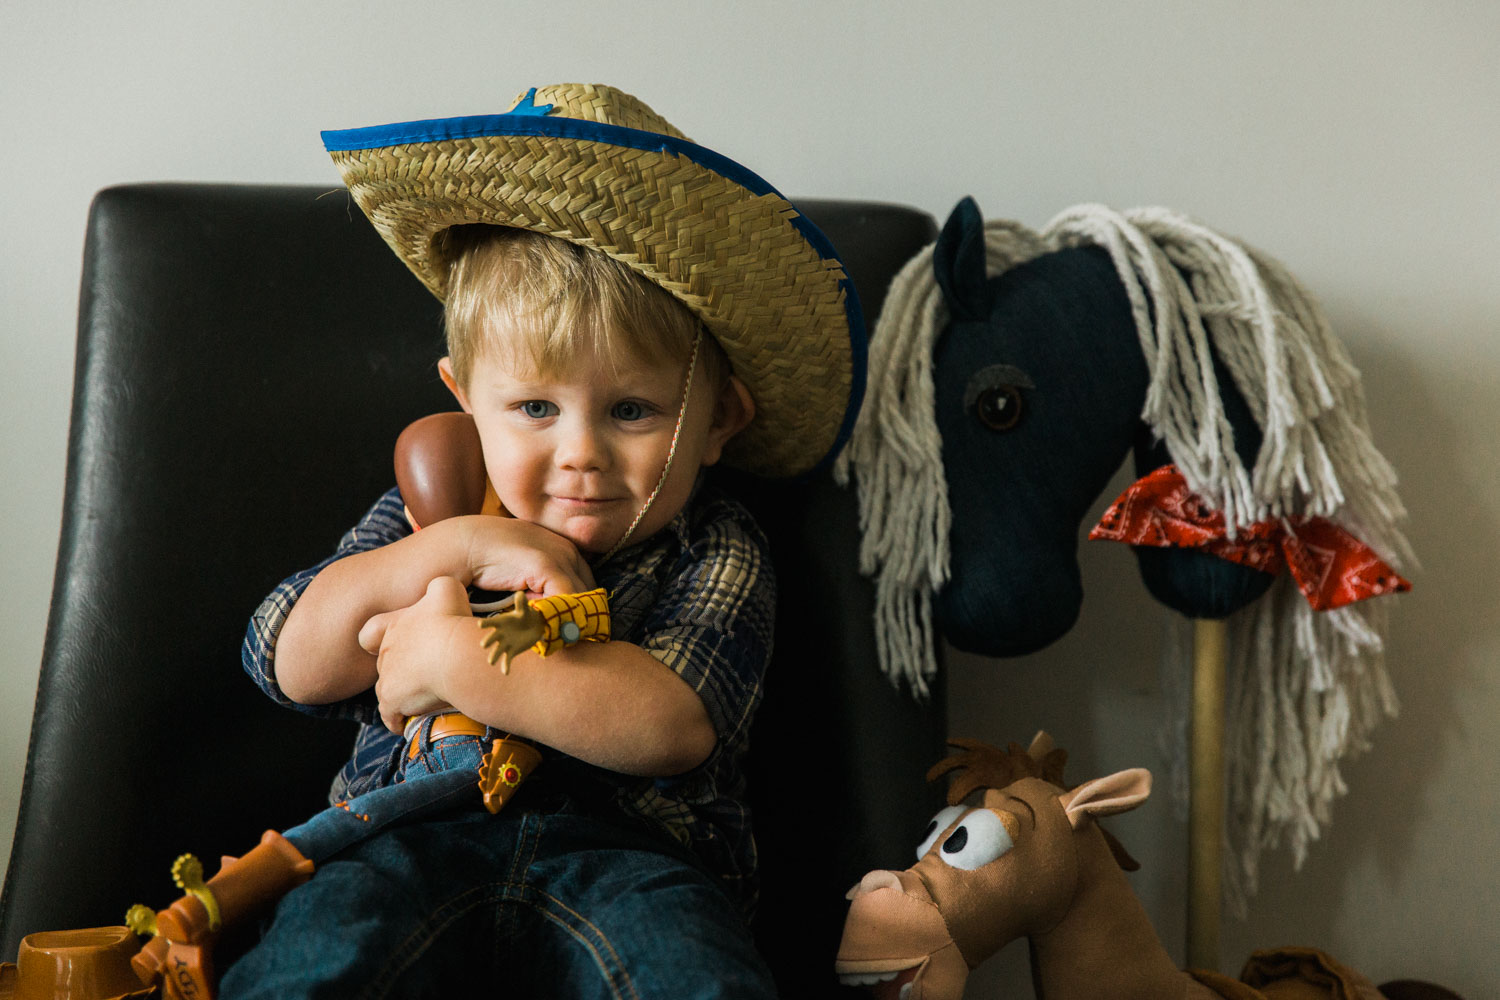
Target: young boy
pixel 646 308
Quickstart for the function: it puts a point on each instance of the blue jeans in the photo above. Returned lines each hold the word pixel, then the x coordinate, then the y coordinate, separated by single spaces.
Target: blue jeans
pixel 560 895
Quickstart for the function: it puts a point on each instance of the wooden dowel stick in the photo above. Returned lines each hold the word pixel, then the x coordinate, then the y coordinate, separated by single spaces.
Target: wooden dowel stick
pixel 1206 809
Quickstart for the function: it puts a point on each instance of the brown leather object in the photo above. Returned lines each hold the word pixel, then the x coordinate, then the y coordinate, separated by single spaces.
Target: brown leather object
pixel 440 467
pixel 448 724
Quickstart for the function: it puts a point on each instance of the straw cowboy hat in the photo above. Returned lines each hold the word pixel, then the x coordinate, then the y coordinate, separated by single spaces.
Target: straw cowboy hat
pixel 597 167
pixel 88 964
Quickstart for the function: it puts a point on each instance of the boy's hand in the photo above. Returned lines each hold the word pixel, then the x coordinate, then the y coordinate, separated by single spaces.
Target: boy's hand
pixel 510 554
pixel 415 646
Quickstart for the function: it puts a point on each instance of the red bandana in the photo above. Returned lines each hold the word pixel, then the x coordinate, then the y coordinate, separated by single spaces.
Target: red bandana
pixel 1330 566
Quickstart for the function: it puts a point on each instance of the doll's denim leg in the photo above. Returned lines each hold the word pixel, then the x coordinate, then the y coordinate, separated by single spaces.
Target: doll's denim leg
pixel 530 904
pixel 445 775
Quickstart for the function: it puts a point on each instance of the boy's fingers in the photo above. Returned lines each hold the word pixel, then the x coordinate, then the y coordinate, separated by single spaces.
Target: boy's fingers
pixel 507 554
pixel 546 578
pixel 447 595
pixel 372 633
pixel 562 572
pixel 585 575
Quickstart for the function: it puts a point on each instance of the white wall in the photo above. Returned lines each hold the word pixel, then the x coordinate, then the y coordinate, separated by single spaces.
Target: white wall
pixel 1356 141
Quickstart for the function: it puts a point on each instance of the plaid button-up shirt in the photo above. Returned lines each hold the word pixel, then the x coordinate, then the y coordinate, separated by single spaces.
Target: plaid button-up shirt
pixel 699 595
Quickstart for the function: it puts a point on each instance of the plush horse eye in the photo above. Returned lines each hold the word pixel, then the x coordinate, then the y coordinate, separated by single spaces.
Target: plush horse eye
pixel 940 822
pixel 994 394
pixel 978 840
pixel 999 407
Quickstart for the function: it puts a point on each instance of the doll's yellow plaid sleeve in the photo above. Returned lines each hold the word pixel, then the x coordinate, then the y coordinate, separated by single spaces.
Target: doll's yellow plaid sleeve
pixel 572 618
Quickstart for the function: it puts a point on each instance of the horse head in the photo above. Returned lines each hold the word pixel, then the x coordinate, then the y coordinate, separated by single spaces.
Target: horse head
pixel 1019 854
pixel 1004 860
pixel 1039 385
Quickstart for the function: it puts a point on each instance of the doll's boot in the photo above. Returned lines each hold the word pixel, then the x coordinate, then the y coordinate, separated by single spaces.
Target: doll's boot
pixel 180 952
pixel 503 768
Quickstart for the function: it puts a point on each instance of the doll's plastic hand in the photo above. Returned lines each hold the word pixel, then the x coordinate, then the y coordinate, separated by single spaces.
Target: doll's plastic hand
pixel 511 632
pixel 414 646
pixel 509 554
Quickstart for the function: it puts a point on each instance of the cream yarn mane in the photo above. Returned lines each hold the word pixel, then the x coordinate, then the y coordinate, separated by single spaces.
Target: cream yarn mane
pixel 1306 688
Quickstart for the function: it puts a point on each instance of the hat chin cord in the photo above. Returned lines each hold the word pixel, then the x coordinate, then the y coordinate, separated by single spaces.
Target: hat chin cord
pixel 687 393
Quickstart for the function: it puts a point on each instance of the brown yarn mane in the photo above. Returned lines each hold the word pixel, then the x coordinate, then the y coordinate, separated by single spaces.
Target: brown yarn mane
pixel 986 766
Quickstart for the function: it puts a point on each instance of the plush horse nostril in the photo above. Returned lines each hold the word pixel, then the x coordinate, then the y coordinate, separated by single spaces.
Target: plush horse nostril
pixel 874 880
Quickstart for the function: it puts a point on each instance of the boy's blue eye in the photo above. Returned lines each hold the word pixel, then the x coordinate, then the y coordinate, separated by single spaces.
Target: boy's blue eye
pixel 536 409
pixel 629 410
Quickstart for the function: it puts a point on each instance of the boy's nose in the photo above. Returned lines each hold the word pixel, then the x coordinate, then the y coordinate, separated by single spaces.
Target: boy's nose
pixel 583 448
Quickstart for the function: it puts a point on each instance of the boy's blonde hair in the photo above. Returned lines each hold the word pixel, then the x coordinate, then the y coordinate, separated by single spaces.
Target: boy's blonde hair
pixel 540 301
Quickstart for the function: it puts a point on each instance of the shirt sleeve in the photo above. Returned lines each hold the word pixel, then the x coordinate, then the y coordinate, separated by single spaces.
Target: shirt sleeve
pixel 382 524
pixel 713 623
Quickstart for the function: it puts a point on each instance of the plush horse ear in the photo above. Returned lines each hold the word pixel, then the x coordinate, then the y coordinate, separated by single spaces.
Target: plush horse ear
pixel 1041 745
pixel 958 262
pixel 1115 793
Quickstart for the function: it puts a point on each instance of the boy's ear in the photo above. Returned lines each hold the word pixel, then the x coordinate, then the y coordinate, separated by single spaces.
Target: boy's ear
pixel 733 411
pixel 445 371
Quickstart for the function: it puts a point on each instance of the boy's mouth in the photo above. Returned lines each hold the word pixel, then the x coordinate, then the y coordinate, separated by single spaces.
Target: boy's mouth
pixel 585 503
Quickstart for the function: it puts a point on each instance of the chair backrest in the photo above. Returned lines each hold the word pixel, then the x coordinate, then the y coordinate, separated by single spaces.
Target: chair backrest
pixel 246 357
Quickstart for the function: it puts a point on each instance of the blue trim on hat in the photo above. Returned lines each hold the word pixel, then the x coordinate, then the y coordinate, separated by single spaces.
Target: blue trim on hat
pixel 527 105
pixel 530 119
pixel 859 349
pixel 530 122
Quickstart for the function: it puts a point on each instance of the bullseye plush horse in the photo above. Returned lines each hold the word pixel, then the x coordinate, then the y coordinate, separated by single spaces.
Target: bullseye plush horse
pixel 1011 373
pixel 1017 854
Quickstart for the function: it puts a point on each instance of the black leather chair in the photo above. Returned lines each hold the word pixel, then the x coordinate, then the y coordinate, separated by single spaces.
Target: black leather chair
pixel 246 358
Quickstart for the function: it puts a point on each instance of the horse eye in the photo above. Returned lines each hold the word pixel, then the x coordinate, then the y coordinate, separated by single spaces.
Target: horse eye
pixel 978 840
pixel 940 822
pixel 999 407
pixel 994 394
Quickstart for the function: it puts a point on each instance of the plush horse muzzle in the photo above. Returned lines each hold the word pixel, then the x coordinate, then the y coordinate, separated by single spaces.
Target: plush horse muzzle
pixel 896 942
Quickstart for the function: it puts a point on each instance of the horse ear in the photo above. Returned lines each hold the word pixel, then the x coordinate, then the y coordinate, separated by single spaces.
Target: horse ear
pixel 1115 793
pixel 1041 745
pixel 958 261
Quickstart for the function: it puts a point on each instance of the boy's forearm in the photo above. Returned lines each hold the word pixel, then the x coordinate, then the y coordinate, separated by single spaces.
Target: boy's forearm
pixel 318 657
pixel 611 704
